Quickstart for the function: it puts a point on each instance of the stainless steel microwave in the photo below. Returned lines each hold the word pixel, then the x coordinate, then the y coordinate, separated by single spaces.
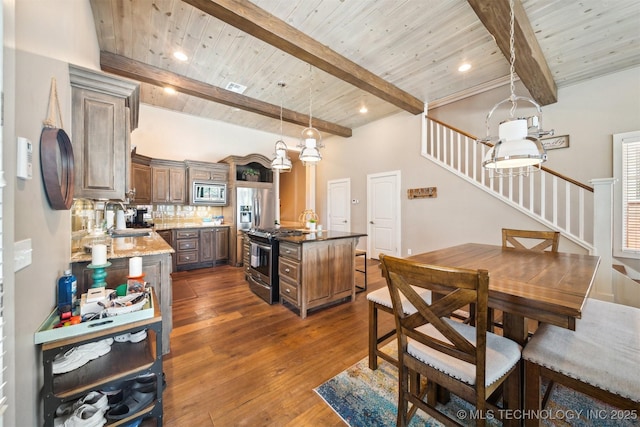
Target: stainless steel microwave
pixel 209 193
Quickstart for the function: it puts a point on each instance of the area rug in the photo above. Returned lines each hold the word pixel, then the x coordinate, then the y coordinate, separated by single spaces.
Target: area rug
pixel 366 398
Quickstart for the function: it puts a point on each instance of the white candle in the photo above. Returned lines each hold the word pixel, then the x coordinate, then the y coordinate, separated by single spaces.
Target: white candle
pixel 135 266
pixel 99 254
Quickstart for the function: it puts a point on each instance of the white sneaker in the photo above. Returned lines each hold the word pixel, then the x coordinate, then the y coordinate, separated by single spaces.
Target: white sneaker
pixel 79 356
pixel 83 416
pixel 94 398
pixel 134 337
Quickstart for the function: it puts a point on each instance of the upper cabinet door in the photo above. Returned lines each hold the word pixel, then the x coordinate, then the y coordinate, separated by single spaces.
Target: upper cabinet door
pixel 104 112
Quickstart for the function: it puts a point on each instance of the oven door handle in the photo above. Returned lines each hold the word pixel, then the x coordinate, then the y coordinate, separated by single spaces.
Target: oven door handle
pixel 265 247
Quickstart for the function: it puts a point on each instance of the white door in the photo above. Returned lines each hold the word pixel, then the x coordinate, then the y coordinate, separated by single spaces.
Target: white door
pixel 338 207
pixel 383 214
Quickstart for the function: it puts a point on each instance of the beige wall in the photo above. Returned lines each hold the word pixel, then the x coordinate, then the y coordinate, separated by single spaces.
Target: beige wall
pixel 169 135
pixel 38 46
pixel 589 112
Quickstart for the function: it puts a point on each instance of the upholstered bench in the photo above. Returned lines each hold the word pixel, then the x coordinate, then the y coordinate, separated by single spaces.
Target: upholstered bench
pixel 381 300
pixel 601 358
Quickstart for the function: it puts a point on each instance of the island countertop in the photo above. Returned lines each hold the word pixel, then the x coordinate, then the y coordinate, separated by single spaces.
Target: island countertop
pixel 127 247
pixel 319 236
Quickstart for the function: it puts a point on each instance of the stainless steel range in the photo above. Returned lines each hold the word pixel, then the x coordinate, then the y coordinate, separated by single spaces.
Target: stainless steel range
pixel 262 272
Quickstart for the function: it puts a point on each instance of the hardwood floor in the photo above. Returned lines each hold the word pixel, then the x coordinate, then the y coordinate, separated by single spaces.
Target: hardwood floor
pixel 237 361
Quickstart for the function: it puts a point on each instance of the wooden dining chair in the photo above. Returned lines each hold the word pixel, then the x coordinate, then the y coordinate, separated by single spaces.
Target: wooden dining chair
pixel 532 240
pixel 380 300
pixel 600 359
pixel 467 361
pixel 537 240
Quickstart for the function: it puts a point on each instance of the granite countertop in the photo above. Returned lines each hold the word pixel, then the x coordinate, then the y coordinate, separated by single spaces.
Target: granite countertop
pixel 126 247
pixel 319 236
pixel 170 225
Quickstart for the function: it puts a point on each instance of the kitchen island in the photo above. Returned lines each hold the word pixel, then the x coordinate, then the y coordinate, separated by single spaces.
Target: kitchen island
pixel 156 266
pixel 317 269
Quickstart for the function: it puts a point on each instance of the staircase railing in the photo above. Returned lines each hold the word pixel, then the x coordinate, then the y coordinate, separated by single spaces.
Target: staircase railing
pixel 554 200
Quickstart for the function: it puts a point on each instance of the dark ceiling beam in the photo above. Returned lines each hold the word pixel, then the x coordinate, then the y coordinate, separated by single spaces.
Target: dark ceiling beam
pixel 142 72
pixel 530 64
pixel 257 22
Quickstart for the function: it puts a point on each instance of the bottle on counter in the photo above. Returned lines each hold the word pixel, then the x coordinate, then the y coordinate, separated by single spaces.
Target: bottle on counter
pixel 67 289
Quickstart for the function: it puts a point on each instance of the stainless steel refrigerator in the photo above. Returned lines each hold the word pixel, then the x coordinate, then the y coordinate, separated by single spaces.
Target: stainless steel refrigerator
pixel 255 207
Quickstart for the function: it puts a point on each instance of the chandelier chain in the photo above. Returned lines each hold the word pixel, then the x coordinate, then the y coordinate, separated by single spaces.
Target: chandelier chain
pixel 512 59
pixel 282 85
pixel 310 85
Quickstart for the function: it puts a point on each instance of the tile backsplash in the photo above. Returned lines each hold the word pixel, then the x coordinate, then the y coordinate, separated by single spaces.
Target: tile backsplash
pixel 87 215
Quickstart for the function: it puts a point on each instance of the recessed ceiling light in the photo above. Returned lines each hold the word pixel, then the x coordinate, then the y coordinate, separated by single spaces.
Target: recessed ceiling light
pixel 180 56
pixel 464 67
pixel 170 90
pixel 363 109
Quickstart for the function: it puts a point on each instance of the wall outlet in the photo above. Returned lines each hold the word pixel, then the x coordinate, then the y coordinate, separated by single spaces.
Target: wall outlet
pixel 408 251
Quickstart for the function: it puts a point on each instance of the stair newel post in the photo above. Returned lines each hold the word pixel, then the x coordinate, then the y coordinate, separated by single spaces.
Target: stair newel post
pixel 603 236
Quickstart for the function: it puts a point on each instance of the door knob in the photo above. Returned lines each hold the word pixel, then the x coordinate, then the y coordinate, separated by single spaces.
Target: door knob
pixel 345 221
pixel 370 222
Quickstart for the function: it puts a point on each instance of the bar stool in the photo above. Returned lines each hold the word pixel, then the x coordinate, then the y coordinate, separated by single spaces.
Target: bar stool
pixel 362 253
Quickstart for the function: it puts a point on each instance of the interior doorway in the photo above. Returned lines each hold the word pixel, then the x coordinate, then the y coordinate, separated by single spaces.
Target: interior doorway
pixel 383 214
pixel 338 205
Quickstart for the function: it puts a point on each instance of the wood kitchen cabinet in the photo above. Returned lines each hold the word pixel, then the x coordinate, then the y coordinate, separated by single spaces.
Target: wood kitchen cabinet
pixel 316 273
pixel 207 247
pixel 187 247
pixel 140 179
pixel 104 112
pixel 168 182
pixel 221 243
pixel 202 171
pixel 200 247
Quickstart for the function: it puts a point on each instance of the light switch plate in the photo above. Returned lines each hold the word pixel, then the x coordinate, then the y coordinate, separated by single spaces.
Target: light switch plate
pixel 22 254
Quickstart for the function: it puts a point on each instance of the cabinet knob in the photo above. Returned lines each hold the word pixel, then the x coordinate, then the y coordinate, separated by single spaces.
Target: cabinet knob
pixel 286 270
pixel 288 291
pixel 288 251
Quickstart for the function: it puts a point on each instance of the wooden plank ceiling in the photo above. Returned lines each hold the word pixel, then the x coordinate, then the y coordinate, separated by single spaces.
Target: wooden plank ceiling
pixel 387 55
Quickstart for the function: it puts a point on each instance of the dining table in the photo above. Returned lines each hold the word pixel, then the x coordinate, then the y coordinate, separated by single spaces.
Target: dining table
pixel 550 287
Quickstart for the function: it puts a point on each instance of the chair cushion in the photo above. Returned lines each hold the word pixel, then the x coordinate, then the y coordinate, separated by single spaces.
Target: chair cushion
pixel 603 351
pixel 502 354
pixel 382 297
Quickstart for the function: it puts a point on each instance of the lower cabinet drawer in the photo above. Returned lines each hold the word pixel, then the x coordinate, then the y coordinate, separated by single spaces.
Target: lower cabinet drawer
pixel 291 250
pixel 186 257
pixel 186 234
pixel 188 244
pixel 289 290
pixel 289 269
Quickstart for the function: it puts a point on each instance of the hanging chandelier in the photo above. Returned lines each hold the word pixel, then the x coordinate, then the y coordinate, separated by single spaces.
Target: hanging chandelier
pixel 517 150
pixel 311 140
pixel 281 161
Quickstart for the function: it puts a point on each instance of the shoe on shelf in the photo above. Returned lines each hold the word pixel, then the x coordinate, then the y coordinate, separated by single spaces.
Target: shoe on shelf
pixel 143 382
pixel 132 337
pixel 136 401
pixel 79 356
pixel 83 416
pixel 94 398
